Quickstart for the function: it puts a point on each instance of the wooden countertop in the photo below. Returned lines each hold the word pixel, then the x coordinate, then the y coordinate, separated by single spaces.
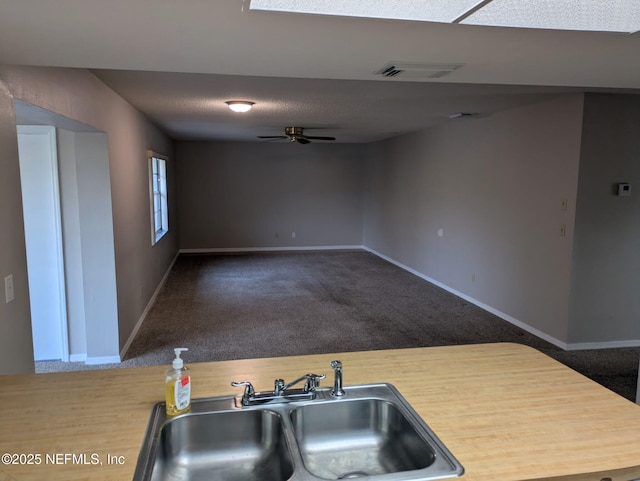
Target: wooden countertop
pixel 506 411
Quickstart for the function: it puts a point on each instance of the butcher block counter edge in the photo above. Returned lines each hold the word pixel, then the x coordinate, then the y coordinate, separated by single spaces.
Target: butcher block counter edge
pixel 506 411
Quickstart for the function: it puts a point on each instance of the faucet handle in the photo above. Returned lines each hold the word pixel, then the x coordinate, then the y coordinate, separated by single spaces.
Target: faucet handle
pixel 249 391
pixel 278 387
pixel 313 381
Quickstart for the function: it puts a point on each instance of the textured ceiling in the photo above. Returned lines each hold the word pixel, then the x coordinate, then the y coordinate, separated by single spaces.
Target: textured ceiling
pixel 179 61
pixel 191 106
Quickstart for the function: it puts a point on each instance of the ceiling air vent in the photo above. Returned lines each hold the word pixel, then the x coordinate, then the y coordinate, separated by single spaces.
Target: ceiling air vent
pixel 417 70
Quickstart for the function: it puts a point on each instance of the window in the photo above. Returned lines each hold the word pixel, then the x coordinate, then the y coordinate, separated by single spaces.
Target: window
pixel 158 196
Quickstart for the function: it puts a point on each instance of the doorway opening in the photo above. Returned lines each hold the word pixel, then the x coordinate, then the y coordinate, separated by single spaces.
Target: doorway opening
pixel 64 170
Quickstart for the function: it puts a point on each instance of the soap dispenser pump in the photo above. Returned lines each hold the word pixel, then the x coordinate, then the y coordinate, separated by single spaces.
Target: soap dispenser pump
pixel 178 386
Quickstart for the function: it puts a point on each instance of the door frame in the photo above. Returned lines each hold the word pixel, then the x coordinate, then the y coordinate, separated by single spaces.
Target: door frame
pixel 58 261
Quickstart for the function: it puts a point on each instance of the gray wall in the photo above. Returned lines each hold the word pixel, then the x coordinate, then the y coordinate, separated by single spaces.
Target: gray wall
pixel 254 195
pixel 97 246
pixel 16 348
pixel 493 187
pixel 79 95
pixel 605 305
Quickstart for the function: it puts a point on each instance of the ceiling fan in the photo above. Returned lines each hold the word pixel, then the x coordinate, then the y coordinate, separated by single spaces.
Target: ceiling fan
pixel 295 134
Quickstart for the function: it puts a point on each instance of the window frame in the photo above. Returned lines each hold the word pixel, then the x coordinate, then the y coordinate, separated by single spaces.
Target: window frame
pixel 158 202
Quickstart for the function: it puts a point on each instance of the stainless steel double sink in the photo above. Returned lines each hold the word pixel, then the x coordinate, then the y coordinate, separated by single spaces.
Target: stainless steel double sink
pixel 371 432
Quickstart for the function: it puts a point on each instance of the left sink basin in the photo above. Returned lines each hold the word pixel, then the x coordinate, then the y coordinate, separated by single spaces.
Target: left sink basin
pixel 225 446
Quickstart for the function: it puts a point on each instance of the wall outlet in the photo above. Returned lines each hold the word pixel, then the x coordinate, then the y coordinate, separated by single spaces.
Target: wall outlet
pixel 293 235
pixel 563 230
pixel 8 288
pixel 624 190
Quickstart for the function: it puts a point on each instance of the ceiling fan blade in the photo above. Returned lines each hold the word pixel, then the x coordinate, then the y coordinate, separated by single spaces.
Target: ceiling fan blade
pixel 303 140
pixel 272 137
pixel 319 138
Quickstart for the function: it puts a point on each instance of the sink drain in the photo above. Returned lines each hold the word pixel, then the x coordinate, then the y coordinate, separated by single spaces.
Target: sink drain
pixel 353 475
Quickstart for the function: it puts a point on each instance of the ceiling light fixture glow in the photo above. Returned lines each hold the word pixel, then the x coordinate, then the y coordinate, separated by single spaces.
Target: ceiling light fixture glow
pixel 240 105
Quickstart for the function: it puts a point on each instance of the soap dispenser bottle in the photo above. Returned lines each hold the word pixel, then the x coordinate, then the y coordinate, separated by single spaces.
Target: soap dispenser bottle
pixel 178 386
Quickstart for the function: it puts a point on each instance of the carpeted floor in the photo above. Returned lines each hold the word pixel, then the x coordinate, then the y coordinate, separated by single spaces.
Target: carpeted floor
pixel 279 304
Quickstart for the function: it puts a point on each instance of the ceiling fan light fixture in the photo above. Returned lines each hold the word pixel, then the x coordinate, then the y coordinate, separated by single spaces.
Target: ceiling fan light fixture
pixel 240 105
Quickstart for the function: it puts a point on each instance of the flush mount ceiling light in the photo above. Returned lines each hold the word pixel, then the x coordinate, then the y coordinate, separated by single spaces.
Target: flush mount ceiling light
pixel 586 15
pixel 240 105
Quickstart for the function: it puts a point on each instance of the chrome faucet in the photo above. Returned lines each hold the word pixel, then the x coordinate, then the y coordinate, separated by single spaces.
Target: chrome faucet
pixel 311 382
pixel 337 390
pixel 281 391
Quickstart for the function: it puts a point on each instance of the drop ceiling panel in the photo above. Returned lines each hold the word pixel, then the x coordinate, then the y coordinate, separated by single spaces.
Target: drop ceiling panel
pixel 585 15
pixel 594 15
pixel 422 10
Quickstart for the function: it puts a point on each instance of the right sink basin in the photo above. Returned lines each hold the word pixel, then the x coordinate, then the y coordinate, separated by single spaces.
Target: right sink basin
pixel 357 438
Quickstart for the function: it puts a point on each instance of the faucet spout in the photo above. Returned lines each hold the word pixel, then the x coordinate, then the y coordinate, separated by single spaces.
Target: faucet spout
pixel 311 382
pixel 337 390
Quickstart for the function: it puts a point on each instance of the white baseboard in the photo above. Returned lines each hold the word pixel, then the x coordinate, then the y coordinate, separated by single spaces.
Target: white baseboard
pixel 103 360
pixel 501 315
pixel 580 346
pixel 150 304
pixel 94 360
pixel 216 250
pixel 78 357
